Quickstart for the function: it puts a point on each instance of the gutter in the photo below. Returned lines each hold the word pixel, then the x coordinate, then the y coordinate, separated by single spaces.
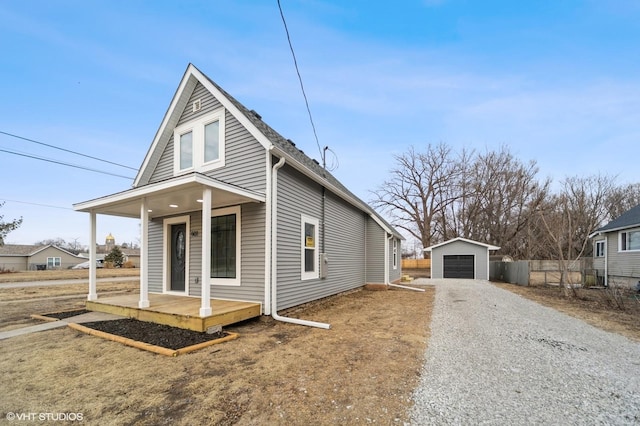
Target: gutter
pixel 274 255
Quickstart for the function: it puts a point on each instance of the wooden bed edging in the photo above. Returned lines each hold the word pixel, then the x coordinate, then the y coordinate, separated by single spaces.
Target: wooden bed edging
pixel 148 347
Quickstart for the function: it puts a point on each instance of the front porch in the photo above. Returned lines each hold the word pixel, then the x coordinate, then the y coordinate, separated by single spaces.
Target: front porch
pixel 177 311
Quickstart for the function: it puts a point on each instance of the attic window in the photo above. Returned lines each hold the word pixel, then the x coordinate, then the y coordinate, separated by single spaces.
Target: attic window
pixel 197 105
pixel 199 145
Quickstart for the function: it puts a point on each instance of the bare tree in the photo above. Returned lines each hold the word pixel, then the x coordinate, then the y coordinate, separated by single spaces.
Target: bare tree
pixel 622 198
pixel 419 190
pixel 571 216
pixel 500 197
pixel 6 227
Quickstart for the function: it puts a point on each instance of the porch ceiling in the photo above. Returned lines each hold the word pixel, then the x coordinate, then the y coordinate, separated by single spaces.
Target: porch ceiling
pixel 170 197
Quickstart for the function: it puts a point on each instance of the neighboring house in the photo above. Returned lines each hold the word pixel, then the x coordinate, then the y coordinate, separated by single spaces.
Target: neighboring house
pixel 460 258
pixel 616 250
pixel 16 257
pixel 232 210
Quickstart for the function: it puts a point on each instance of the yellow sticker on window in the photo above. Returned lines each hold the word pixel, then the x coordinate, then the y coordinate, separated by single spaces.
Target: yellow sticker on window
pixel 310 242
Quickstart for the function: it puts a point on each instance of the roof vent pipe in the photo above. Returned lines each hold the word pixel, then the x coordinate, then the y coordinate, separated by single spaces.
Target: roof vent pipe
pixel 274 255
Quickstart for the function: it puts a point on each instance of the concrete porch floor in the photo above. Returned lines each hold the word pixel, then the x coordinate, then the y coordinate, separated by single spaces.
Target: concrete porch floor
pixel 177 311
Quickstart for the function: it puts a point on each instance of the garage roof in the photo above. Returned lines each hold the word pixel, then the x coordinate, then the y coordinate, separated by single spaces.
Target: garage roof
pixel 488 246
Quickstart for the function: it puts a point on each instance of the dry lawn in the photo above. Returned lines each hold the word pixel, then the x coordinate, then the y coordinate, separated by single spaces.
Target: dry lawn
pixel 361 371
pixel 66 274
pixel 590 305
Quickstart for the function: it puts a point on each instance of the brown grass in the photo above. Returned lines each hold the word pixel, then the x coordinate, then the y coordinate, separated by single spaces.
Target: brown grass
pixel 361 371
pixel 590 305
pixel 66 274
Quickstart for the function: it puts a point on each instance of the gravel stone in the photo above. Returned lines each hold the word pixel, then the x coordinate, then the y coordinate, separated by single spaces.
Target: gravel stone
pixel 495 357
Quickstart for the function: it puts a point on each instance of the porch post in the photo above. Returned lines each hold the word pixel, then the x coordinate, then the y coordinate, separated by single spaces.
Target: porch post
pixel 93 292
pixel 144 255
pixel 205 307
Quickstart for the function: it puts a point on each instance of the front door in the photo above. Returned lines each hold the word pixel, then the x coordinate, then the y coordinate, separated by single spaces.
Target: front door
pixel 178 256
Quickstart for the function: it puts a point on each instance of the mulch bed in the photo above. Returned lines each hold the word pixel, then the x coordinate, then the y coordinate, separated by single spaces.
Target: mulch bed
pixel 154 334
pixel 66 314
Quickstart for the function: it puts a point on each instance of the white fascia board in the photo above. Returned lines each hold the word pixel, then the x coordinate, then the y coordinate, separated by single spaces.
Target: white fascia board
pixel 618 229
pixel 229 106
pixel 165 121
pixel 192 71
pixel 160 186
pixel 313 176
pixel 324 182
pixel 488 246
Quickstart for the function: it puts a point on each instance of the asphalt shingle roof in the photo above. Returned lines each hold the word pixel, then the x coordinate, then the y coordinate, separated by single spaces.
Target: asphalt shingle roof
pixel 289 147
pixel 628 219
pixel 19 249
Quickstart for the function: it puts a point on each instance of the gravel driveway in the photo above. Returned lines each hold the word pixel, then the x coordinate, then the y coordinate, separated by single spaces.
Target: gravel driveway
pixel 497 358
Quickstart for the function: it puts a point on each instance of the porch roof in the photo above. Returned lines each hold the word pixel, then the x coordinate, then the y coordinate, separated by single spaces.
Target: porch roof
pixel 176 195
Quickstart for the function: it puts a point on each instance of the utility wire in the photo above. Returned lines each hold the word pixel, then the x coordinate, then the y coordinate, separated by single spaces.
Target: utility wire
pixel 295 62
pixel 35 204
pixel 62 163
pixel 66 150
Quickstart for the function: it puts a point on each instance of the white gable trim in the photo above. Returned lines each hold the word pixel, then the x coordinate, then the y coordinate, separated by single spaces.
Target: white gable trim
pixel 191 77
pixel 488 246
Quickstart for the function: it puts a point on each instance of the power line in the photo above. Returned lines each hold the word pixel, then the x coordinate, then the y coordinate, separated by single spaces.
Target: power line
pixel 66 150
pixel 295 62
pixel 36 204
pixel 63 163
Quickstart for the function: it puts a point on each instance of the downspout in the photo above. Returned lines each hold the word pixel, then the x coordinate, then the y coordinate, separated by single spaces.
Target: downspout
pixel 274 255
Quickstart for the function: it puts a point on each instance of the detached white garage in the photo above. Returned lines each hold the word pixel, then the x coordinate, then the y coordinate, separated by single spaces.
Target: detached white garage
pixel 460 258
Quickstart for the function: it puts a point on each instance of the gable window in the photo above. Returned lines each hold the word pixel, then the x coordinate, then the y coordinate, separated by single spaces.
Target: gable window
pixel 186 150
pixel 309 248
pixel 599 249
pixel 225 246
pixel 199 144
pixel 395 253
pixel 53 262
pixel 630 240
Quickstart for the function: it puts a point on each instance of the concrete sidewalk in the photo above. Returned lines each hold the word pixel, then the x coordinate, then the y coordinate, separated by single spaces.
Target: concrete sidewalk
pixel 79 319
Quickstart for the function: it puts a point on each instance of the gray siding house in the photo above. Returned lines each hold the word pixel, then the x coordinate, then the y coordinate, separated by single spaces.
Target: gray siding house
pixel 232 210
pixel 616 250
pixel 460 258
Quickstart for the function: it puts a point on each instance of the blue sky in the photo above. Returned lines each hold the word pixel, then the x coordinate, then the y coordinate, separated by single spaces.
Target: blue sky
pixel 557 82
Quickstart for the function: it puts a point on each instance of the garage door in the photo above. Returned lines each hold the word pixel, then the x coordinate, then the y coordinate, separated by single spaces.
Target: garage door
pixel 458 266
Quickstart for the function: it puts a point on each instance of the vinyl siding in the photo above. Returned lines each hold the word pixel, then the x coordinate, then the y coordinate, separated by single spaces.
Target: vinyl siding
pixel 14 263
pixel 251 261
pixel 621 263
pixel 244 156
pixel 344 241
pixel 155 255
pixel 395 274
pixel 67 260
pixel 598 262
pixel 375 252
pixel 460 248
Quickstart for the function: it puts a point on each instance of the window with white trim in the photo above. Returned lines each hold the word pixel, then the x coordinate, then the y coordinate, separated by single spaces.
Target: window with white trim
pixel 629 240
pixel 395 253
pixel 225 246
pixel 53 262
pixel 599 252
pixel 199 144
pixel 309 248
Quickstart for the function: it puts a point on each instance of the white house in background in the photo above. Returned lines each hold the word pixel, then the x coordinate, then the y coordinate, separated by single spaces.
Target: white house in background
pixel 460 258
pixel 232 210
